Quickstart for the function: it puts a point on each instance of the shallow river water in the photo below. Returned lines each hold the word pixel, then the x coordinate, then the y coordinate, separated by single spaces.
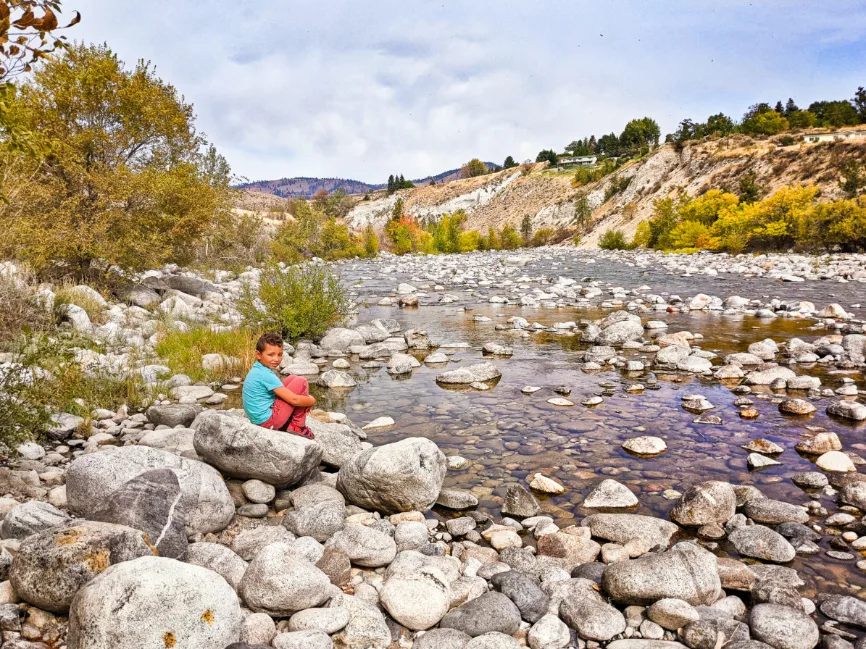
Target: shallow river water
pixel 508 435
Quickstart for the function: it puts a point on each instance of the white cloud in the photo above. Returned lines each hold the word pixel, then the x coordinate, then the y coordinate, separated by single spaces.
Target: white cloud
pixel 364 89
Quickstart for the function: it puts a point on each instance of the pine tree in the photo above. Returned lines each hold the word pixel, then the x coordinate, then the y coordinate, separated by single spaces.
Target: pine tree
pixel 391 184
pixel 779 109
pixel 790 107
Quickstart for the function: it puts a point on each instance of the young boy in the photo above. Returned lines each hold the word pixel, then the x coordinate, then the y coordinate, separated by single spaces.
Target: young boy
pixel 270 402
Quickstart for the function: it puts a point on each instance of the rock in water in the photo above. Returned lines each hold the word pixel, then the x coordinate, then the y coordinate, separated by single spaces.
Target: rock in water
pixel 279 583
pixel 705 503
pixel 151 503
pixel 466 375
pixel 686 572
pixel 610 494
pixel 154 602
pixel 53 565
pixel 844 608
pixel 241 449
pixel 520 502
pixel 399 477
pixel 622 528
pixel 92 478
pixel 762 543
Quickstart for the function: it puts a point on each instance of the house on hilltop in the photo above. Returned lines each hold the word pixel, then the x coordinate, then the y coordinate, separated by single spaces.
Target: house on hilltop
pixel 575 161
pixel 835 136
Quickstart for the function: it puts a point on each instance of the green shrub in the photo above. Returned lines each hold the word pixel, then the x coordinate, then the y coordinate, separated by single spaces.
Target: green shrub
pixel 542 237
pixel 299 301
pixel 371 242
pixel 617 185
pixel 613 240
pixel 22 415
pixel 510 238
pixel 183 351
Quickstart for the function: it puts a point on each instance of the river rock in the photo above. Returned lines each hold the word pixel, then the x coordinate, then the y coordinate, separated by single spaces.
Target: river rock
pixel 366 629
pixel 645 644
pixel 29 518
pixel 766 377
pixel 456 499
pixel 592 619
pixel 220 559
pixel 172 415
pixel 53 565
pixel 241 449
pixel 783 627
pixel 610 494
pixel 548 633
pixel 524 591
pixel 399 477
pixel 772 512
pixel 465 375
pixel 705 503
pixel 336 379
pixel 520 502
pixel 620 332
pixel 319 520
pixel 154 602
pixel 844 608
pixel 490 612
pixel 302 640
pixel 279 583
pixel 797 407
pixel 341 339
pixel 338 442
pixel 850 410
pixel 761 543
pixel 622 528
pixel 645 445
pixel 573 550
pixel 364 546
pixel 327 620
pixel 686 572
pixel 417 599
pixel 151 502
pixel 820 443
pixel 672 614
pixel 92 478
pixel 835 461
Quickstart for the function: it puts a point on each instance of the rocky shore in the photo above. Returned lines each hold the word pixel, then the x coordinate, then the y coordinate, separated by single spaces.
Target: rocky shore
pixel 187 526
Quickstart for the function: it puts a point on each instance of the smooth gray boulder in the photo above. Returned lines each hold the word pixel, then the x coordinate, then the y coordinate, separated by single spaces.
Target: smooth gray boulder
pixel 762 543
pixel 279 583
pixel 366 629
pixel 705 503
pixel 53 565
pixel 773 512
pixel 338 442
pixel 416 599
pixel 327 620
pixel 844 608
pixel 302 640
pixel 442 639
pixel 364 545
pixel 622 528
pixel 620 332
pixel 173 414
pixel 685 572
pixel 592 618
pixel 341 339
pixel 31 517
pixel 524 591
pixel 220 559
pixel 241 449
pixel 152 503
pixel 519 501
pixel 399 477
pixel 491 612
pixel 783 627
pixel 610 494
pixel 92 478
pixel 319 520
pixel 154 602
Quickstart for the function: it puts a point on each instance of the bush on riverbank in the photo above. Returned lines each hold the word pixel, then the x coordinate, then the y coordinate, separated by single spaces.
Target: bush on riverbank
pixel 613 240
pixel 792 217
pixel 301 301
pixel 315 232
pixel 183 351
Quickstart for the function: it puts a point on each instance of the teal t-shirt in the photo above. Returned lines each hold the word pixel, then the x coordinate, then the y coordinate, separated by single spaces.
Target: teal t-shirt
pixel 258 393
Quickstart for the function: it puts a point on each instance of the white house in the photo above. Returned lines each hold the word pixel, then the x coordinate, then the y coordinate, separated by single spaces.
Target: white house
pixel 835 136
pixel 583 161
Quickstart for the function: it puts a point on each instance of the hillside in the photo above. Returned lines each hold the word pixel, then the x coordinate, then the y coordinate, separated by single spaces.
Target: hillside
pixel 306 187
pixel 548 196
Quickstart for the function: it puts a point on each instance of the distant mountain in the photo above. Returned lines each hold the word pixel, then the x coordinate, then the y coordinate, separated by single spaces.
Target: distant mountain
pixel 306 187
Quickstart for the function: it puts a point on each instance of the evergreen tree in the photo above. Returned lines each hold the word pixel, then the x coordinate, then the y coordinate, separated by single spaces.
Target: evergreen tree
pixel 790 107
pixel 526 229
pixel 779 108
pixel 509 163
pixel 391 184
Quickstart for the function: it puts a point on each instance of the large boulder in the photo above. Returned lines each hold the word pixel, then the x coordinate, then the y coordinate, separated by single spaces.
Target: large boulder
pixel 154 602
pixel 592 618
pixel 686 572
pixel 220 559
pixel 705 503
pixel 278 582
pixel 29 518
pixel 339 444
pixel 366 629
pixel 92 478
pixel 341 339
pixel 767 376
pixel 241 449
pixel 150 502
pixel 399 477
pixel 783 627
pixel 417 599
pixel 620 332
pixel 524 591
pixel 53 565
pixel 364 545
pixel 762 543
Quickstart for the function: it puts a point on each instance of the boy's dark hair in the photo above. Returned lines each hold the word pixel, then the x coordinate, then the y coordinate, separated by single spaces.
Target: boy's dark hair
pixel 273 339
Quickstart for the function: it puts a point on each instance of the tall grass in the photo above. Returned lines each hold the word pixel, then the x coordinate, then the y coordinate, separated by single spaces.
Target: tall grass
pixel 183 351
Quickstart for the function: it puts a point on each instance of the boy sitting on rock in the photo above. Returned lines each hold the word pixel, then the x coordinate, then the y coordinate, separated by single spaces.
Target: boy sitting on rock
pixel 270 402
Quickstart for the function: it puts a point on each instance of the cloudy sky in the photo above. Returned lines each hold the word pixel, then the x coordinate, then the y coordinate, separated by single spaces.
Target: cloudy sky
pixel 360 89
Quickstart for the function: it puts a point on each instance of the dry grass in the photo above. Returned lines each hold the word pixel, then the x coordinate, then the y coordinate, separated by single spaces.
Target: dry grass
pixel 183 351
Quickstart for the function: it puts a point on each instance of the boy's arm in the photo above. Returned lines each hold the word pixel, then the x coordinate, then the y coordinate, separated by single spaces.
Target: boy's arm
pixel 293 399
